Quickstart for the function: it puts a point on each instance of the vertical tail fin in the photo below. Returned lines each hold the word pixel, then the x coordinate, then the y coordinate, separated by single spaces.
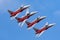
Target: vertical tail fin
pixel 35 29
pixel 27 22
pixel 10 11
pixel 18 19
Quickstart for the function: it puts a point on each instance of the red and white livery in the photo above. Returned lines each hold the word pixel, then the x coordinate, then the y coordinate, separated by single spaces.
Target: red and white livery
pixel 14 14
pixel 39 32
pixel 32 24
pixel 22 20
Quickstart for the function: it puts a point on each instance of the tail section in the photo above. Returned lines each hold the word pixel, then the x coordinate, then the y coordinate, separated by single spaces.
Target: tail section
pixel 10 11
pixel 39 35
pixel 34 12
pixel 35 29
pixel 27 22
pixel 18 19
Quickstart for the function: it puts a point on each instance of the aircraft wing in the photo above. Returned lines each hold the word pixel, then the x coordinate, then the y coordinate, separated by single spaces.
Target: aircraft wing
pixel 27 11
pixel 23 23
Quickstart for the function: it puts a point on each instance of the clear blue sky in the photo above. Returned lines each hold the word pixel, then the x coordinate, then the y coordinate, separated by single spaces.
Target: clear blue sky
pixel 9 29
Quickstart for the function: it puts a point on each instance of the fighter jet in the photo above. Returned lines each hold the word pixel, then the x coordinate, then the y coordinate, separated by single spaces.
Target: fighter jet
pixel 22 20
pixel 32 24
pixel 14 14
pixel 39 32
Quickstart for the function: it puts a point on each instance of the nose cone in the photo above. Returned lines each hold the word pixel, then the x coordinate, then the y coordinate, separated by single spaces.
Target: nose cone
pixel 42 17
pixel 26 6
pixel 32 13
pixel 50 25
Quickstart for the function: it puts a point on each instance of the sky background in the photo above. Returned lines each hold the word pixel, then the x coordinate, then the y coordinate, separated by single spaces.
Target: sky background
pixel 9 29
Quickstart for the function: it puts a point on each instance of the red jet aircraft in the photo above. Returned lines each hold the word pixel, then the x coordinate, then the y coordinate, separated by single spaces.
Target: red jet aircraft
pixel 14 14
pixel 30 25
pixel 39 32
pixel 22 20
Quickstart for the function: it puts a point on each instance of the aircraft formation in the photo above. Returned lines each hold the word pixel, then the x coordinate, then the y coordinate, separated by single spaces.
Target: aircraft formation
pixel 30 25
